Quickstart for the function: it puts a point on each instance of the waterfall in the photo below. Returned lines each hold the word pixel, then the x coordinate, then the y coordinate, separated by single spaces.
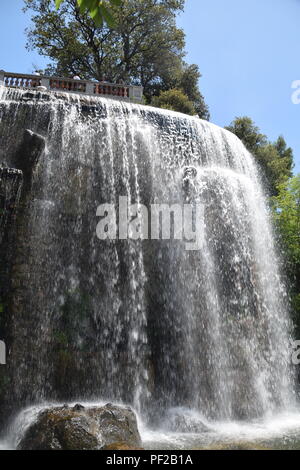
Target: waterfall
pixel 144 322
pixel 10 189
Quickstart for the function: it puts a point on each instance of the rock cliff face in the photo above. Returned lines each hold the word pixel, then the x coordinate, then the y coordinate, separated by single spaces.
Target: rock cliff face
pixel 143 322
pixel 81 428
pixel 15 199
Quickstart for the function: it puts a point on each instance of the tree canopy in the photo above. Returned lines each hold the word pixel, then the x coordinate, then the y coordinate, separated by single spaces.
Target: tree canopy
pixel 286 210
pixel 145 47
pixel 174 100
pixel 275 159
pixel 186 80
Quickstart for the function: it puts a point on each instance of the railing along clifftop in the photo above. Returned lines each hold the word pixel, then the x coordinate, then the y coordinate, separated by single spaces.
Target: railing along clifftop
pixel 130 93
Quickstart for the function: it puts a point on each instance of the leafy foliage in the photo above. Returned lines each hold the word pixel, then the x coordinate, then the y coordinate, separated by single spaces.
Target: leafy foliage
pixel 99 10
pixel 286 210
pixel 274 159
pixel 174 100
pixel 145 47
pixel 245 129
pixel 186 79
pixel 287 215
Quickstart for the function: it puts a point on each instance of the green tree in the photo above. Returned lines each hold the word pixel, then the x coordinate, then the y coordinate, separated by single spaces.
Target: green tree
pixel 188 82
pixel 144 40
pixel 145 47
pixel 274 159
pixel 286 211
pixel 175 100
pixel 245 129
pixel 277 166
pixel 186 78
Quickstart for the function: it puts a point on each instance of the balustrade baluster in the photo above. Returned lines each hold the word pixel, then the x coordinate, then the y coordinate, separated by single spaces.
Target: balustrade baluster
pixel 69 85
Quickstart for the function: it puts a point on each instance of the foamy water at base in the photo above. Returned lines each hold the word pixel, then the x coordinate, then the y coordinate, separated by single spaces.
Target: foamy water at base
pixel 277 432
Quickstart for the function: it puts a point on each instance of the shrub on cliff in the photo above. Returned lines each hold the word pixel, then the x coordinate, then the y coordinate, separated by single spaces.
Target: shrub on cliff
pixel 175 100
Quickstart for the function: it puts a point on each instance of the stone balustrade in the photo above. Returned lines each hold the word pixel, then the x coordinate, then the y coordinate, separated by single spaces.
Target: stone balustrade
pixel 117 91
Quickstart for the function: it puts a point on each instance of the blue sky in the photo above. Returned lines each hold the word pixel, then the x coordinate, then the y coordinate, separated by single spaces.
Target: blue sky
pixel 248 54
pixel 247 51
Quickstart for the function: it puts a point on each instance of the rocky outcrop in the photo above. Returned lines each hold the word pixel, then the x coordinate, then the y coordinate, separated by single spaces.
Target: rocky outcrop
pixel 83 428
pixel 31 148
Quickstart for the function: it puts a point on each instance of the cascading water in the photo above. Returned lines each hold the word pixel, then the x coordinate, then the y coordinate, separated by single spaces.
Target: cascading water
pixel 142 322
pixel 10 190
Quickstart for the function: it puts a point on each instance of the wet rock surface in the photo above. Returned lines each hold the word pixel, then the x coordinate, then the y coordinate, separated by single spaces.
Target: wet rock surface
pixel 83 428
pixel 184 422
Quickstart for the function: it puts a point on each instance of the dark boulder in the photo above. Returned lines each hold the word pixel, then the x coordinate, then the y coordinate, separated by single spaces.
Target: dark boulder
pixel 27 156
pixel 82 428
